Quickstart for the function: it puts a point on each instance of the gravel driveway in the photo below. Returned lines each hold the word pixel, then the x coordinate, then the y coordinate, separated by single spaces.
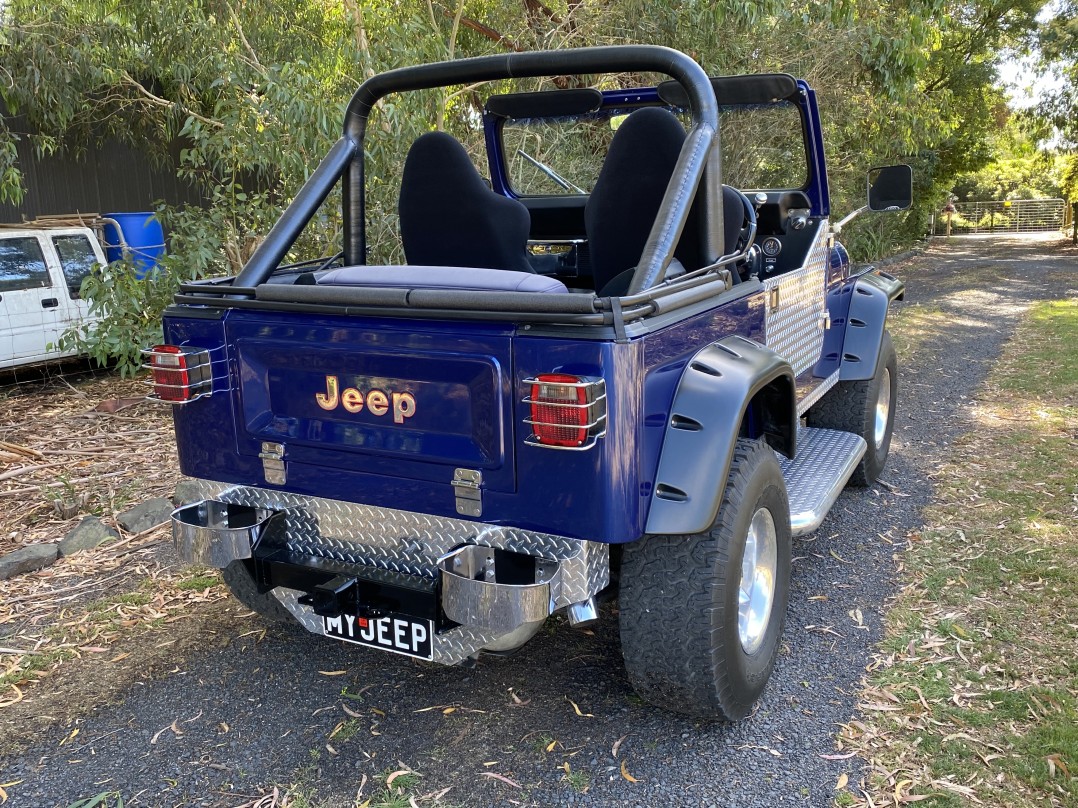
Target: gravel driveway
pixel 224 728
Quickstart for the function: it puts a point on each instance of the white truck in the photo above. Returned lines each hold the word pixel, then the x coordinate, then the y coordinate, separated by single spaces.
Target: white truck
pixel 42 266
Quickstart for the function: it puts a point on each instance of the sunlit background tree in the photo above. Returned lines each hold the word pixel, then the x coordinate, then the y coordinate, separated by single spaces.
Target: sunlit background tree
pixel 253 90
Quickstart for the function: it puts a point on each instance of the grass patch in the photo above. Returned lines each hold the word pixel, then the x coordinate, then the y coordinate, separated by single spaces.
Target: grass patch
pixel 395 789
pixel 199 580
pixel 578 780
pixel 973 696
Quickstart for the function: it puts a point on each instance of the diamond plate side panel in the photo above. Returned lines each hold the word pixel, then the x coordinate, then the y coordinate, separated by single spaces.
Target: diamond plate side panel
pixel 815 477
pixel 819 392
pixel 582 576
pixel 794 329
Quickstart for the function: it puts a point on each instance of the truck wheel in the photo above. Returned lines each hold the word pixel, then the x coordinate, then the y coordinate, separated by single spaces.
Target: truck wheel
pixel 243 587
pixel 866 408
pixel 702 615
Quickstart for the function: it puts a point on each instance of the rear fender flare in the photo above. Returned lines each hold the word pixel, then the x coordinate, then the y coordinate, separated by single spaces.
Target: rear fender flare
pixel 872 296
pixel 721 385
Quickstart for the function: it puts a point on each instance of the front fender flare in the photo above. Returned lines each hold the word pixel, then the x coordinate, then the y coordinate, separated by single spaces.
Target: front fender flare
pixel 713 397
pixel 872 296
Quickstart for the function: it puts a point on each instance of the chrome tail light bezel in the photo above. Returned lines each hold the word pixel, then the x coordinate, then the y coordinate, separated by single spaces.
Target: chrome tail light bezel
pixel 198 366
pixel 594 406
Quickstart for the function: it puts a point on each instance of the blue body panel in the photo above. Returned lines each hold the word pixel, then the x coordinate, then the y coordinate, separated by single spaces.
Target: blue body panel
pixel 817 189
pixel 467 380
pixel 382 410
pixel 839 292
pixel 458 377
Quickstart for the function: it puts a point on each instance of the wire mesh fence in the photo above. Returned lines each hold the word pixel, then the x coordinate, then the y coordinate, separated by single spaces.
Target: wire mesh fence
pixel 1009 216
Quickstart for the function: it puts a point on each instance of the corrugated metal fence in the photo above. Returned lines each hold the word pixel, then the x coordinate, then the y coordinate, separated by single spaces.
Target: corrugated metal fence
pixel 109 176
pixel 1010 216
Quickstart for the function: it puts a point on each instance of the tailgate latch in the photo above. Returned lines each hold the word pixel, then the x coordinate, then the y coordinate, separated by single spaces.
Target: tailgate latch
pixel 468 486
pixel 272 455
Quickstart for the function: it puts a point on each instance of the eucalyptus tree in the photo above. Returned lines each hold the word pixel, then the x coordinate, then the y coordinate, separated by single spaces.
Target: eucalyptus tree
pixel 253 91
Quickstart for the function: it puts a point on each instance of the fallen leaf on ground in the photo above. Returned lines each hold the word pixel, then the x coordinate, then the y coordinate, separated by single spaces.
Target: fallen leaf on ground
pixel 843 779
pixel 502 778
pixel 333 673
pixel 577 709
pixel 617 745
pixel 625 773
pixel 117 404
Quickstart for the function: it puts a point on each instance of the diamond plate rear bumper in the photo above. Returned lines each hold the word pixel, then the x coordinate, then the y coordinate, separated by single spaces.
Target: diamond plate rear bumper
pixel 399 541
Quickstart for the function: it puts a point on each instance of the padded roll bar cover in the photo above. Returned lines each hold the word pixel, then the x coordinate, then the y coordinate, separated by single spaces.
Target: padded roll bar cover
pixel 461 299
pixel 545 103
pixel 872 296
pixel 709 406
pixel 763 88
pixel 331 295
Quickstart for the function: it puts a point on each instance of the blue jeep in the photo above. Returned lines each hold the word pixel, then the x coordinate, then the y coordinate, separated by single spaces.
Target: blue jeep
pixel 627 364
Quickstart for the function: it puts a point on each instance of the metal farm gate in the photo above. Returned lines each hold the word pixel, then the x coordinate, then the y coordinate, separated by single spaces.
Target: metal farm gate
pixel 1010 216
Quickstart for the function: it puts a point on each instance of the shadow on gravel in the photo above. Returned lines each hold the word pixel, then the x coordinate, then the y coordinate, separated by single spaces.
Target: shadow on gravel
pixel 288 708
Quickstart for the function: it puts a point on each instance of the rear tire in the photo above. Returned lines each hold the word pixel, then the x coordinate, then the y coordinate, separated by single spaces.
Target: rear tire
pixel 690 638
pixel 243 587
pixel 865 408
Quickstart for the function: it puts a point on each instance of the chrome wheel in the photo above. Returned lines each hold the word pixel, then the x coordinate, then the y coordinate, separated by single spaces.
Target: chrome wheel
pixel 883 408
pixel 756 593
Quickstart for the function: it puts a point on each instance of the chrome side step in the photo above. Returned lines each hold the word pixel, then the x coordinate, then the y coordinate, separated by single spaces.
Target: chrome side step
pixel 826 458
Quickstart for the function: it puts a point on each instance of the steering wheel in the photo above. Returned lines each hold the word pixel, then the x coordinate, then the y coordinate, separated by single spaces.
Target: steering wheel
pixel 746 235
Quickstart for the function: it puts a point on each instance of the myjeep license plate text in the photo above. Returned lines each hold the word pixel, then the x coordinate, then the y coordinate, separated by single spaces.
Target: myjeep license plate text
pixel 393 632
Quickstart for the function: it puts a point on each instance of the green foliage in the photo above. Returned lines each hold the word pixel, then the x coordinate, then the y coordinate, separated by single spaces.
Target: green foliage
pixel 130 311
pixel 1019 170
pixel 250 95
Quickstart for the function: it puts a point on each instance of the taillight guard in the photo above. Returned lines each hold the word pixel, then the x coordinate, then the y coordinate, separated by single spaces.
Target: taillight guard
pixel 566 412
pixel 181 374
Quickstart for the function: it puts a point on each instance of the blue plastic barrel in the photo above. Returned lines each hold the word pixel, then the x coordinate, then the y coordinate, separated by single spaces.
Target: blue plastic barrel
pixel 143 235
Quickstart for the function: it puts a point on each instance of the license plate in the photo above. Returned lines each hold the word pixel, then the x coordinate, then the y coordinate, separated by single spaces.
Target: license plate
pixel 397 633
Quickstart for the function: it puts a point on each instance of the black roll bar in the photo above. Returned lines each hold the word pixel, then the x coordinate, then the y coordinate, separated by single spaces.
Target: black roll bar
pixel 698 160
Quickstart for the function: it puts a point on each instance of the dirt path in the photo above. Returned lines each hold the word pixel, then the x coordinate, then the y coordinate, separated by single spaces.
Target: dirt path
pixel 273 706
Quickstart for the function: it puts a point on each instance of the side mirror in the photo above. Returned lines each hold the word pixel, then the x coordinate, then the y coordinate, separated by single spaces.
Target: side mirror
pixel 890 188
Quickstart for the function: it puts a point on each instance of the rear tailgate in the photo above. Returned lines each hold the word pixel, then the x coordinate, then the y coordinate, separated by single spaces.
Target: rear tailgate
pixel 380 397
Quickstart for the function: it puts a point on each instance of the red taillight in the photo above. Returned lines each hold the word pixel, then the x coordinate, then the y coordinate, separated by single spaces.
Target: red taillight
pixel 566 411
pixel 559 410
pixel 171 381
pixel 179 374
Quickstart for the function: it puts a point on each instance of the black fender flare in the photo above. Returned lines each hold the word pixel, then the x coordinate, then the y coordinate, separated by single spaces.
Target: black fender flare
pixel 872 296
pixel 717 389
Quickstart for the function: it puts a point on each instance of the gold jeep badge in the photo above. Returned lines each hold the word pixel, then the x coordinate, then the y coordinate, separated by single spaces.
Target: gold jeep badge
pixel 376 401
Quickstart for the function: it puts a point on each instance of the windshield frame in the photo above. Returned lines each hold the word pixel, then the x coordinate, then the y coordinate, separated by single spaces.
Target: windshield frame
pixel 616 102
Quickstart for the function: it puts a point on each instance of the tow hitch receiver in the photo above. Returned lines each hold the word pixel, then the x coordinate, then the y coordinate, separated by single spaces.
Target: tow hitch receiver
pixel 330 598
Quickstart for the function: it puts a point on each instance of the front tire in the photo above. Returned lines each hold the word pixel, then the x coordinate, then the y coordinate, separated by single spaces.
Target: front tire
pixel 865 408
pixel 702 615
